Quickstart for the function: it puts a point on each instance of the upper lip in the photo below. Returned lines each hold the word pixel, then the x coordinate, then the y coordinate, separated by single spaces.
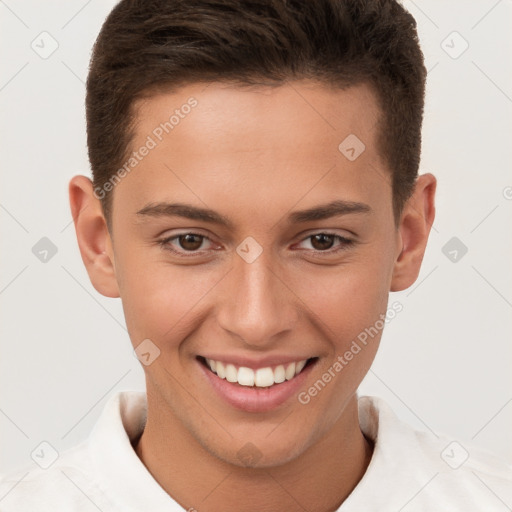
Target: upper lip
pixel 262 362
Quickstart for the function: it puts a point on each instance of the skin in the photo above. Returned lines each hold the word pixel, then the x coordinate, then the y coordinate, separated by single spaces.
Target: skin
pixel 255 155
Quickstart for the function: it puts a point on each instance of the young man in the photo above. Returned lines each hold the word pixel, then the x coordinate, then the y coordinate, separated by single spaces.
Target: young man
pixel 254 200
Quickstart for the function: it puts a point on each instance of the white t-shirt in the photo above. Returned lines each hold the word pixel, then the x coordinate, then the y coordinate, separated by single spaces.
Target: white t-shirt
pixel 409 470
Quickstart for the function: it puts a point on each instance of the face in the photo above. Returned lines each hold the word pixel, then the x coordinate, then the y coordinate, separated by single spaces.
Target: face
pixel 282 250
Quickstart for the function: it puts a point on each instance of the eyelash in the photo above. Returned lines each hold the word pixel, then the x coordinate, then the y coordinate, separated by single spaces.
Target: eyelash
pixel 345 244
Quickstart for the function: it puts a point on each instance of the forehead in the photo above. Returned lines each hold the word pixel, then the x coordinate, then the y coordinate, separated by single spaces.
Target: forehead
pixel 269 115
pixel 217 140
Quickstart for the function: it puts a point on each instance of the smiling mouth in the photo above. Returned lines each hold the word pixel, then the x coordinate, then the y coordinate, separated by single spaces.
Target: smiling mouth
pixel 261 377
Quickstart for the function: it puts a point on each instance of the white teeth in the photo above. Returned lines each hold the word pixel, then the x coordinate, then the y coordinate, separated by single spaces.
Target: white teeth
pixel 299 366
pixel 245 376
pixel 279 375
pixel 262 377
pixel 231 373
pixel 219 368
pixel 289 373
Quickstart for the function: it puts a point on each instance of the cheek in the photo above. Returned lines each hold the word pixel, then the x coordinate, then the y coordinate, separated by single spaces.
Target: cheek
pixel 349 302
pixel 348 298
pixel 160 300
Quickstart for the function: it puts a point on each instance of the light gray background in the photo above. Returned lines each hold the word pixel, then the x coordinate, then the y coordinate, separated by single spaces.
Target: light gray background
pixel 445 362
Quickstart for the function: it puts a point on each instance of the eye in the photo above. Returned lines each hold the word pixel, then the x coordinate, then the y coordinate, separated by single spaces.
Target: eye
pixel 323 242
pixel 184 243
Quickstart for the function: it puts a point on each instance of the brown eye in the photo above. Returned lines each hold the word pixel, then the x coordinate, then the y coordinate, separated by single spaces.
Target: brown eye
pixel 326 244
pixel 190 241
pixel 322 241
pixel 185 244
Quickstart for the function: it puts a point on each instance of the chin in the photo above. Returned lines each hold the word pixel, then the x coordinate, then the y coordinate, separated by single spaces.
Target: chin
pixel 259 454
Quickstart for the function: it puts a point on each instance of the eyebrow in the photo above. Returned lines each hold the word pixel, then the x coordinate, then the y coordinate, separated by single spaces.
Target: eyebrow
pixel 320 212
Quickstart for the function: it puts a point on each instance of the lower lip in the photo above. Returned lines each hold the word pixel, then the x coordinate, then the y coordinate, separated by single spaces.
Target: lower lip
pixel 256 399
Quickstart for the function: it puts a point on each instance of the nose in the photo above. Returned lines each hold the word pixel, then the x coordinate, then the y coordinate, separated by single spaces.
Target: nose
pixel 257 306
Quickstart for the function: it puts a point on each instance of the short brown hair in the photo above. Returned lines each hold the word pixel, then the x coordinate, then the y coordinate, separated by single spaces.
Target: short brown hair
pixel 151 45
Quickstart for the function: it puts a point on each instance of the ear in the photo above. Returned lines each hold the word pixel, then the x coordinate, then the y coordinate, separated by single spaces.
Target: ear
pixel 93 237
pixel 414 227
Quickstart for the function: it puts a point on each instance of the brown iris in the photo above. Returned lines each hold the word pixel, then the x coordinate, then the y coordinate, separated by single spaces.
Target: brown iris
pixel 324 241
pixel 190 241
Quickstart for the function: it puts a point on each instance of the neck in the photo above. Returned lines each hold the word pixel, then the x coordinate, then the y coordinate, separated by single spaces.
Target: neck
pixel 320 479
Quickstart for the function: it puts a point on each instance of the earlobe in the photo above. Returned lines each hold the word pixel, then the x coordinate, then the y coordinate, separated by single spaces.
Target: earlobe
pixel 93 237
pixel 414 228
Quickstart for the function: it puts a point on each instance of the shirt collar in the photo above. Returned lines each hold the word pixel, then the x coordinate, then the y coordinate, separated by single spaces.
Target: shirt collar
pixel 124 478
pixel 121 475
pixel 398 464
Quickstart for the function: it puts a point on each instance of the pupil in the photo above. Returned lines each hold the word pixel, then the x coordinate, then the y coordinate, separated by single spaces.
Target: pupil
pixel 324 239
pixel 187 242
